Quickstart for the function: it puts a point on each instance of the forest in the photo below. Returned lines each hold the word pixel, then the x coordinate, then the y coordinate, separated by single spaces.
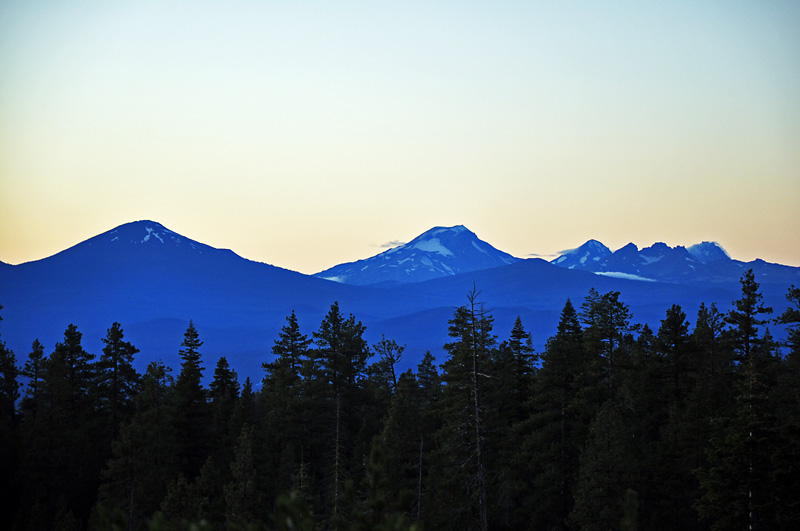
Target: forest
pixel 612 426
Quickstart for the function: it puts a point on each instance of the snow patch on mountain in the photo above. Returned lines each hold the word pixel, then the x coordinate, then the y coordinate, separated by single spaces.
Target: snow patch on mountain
pixel 151 232
pixel 590 252
pixel 438 252
pixel 625 276
pixel 434 245
pixel 458 229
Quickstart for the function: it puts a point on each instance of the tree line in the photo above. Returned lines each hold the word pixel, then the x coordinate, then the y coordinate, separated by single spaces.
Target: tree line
pixel 612 426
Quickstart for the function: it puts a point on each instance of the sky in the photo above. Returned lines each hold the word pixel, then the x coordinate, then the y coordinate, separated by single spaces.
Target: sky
pixel 307 134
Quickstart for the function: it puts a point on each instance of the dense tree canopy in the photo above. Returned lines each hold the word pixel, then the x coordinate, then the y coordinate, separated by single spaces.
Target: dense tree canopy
pixel 612 426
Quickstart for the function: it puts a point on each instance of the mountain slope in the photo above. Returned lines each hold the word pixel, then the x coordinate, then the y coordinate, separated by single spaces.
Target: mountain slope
pixel 153 281
pixel 584 256
pixel 703 263
pixel 438 252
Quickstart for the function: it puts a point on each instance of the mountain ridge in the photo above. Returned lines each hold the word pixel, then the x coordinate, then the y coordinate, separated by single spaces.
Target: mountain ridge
pixel 154 286
pixel 436 253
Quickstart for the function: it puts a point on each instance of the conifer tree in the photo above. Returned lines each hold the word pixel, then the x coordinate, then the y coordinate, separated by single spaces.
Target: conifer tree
pixel 403 439
pixel 117 380
pixel 551 437
pixel 461 476
pixel 65 459
pixel 224 395
pixel 9 385
pixel 288 429
pixel 144 453
pixel 607 322
pixel 191 415
pixel 69 376
pixel 606 469
pixel 247 411
pixel 290 350
pixel 737 488
pixel 745 319
pixel 34 371
pixel 791 318
pixel 671 425
pixel 335 397
pixel 713 392
pixel 379 386
pixel 506 392
pixel 430 382
pixel 389 354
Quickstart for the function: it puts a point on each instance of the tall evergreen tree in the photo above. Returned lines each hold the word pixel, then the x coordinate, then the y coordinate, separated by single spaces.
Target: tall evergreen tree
pixel 191 415
pixel 607 322
pixel 117 380
pixel 290 351
pixel 34 371
pixel 551 437
pixel 70 375
pixel 745 319
pixel 288 422
pixel 736 486
pixel 670 423
pixel 224 428
pixel 338 365
pixel 506 391
pixel 606 469
pixel 461 489
pixel 67 458
pixel 430 382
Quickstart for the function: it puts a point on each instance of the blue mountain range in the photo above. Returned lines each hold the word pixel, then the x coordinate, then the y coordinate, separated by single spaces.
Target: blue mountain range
pixel 153 281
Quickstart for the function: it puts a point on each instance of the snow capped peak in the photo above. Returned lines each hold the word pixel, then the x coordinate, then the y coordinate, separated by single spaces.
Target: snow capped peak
pixel 589 252
pixel 443 231
pixel 438 252
pixel 706 252
pixel 437 239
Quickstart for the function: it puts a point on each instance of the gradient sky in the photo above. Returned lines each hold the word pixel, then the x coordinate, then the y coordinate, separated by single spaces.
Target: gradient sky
pixel 305 134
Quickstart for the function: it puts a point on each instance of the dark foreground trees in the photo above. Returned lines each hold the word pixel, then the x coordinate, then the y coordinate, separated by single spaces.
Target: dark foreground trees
pixel 612 426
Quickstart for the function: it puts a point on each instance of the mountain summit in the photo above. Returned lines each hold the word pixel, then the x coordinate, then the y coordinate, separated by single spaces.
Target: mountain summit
pixel 140 240
pixel 592 252
pixel 701 263
pixel 436 253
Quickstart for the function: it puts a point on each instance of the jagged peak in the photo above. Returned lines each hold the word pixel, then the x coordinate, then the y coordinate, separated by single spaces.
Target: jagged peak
pixel 630 247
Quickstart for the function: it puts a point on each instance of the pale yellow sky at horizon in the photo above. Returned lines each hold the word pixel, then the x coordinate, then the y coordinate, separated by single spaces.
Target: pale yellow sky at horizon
pixel 305 134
